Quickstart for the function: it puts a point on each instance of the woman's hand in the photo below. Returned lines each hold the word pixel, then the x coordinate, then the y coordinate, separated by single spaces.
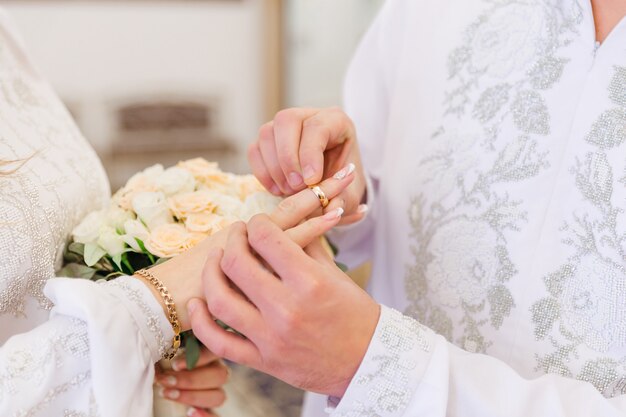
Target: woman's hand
pixel 306 323
pixel 182 274
pixel 304 146
pixel 200 388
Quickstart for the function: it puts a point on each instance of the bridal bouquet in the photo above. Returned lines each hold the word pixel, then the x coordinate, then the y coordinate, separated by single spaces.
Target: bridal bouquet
pixel 159 214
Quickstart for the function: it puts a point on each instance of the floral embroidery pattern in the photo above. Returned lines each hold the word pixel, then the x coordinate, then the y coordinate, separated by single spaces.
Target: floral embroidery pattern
pixel 489 137
pixel 586 303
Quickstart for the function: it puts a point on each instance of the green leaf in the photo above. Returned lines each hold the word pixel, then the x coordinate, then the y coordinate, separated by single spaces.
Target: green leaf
pixel 144 250
pixel 93 253
pixel 117 260
pixel 77 271
pixel 77 248
pixel 332 247
pixel 127 263
pixel 192 350
pixel 341 266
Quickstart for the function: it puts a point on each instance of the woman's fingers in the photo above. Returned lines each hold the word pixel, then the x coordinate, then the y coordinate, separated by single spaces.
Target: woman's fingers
pixel 306 232
pixel 212 398
pixel 200 378
pixel 206 357
pixel 199 412
pixel 292 210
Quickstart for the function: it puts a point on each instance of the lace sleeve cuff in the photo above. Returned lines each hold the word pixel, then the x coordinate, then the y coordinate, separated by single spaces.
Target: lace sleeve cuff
pixel 147 312
pixel 391 370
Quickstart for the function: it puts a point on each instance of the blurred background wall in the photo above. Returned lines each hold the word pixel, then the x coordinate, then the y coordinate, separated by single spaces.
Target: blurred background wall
pixel 157 81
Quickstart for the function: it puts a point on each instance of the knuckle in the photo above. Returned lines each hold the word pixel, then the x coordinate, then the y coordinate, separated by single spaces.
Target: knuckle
pixel 218 308
pixel 229 262
pixel 287 206
pixel 266 131
pixel 285 116
pixel 258 230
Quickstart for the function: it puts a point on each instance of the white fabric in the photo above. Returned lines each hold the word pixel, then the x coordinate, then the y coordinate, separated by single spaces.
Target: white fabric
pixel 494 135
pixel 93 353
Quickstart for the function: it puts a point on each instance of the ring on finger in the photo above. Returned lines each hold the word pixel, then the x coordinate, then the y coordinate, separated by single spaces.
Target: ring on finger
pixel 319 193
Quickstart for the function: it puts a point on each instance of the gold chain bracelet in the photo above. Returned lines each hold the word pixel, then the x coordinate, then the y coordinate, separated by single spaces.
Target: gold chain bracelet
pixel 171 309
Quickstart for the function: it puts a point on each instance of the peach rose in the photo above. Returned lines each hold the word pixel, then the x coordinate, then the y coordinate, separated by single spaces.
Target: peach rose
pixel 207 222
pixel 205 172
pixel 183 205
pixel 169 240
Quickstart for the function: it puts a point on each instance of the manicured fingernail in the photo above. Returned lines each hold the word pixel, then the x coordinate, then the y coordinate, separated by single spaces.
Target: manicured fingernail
pixel 345 172
pixel 363 208
pixel 295 179
pixel 275 189
pixel 191 412
pixel 170 380
pixel 178 365
pixel 308 172
pixel 334 214
pixel 172 394
pixel 160 392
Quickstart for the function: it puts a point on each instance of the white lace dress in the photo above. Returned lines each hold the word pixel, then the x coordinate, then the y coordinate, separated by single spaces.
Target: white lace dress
pixel 92 354
pixel 494 133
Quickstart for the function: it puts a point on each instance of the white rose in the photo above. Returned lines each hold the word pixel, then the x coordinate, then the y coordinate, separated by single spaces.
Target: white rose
pixel 260 202
pixel 110 241
pixel 88 230
pixel 143 181
pixel 151 207
pixel 135 229
pixel 176 180
pixel 227 205
pixel 116 217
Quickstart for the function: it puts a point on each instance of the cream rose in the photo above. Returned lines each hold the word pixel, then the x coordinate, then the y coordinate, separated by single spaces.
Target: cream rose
pixel 207 223
pixel 110 241
pixel 169 240
pixel 196 202
pixel 205 172
pixel 135 229
pixel 175 180
pixel 151 207
pixel 89 229
pixel 246 185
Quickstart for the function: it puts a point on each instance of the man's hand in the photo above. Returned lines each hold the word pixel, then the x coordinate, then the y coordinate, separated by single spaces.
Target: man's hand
pixel 306 323
pixel 305 146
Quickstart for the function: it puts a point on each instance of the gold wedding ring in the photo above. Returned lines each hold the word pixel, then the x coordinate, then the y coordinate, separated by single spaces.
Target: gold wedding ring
pixel 319 194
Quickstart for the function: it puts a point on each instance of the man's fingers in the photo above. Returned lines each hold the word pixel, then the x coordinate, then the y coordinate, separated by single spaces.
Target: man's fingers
pixel 245 270
pixel 199 412
pixel 224 302
pixel 287 131
pixel 294 209
pixel 221 342
pixel 260 170
pixel 267 145
pixel 275 247
pixel 323 131
pixel 312 229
